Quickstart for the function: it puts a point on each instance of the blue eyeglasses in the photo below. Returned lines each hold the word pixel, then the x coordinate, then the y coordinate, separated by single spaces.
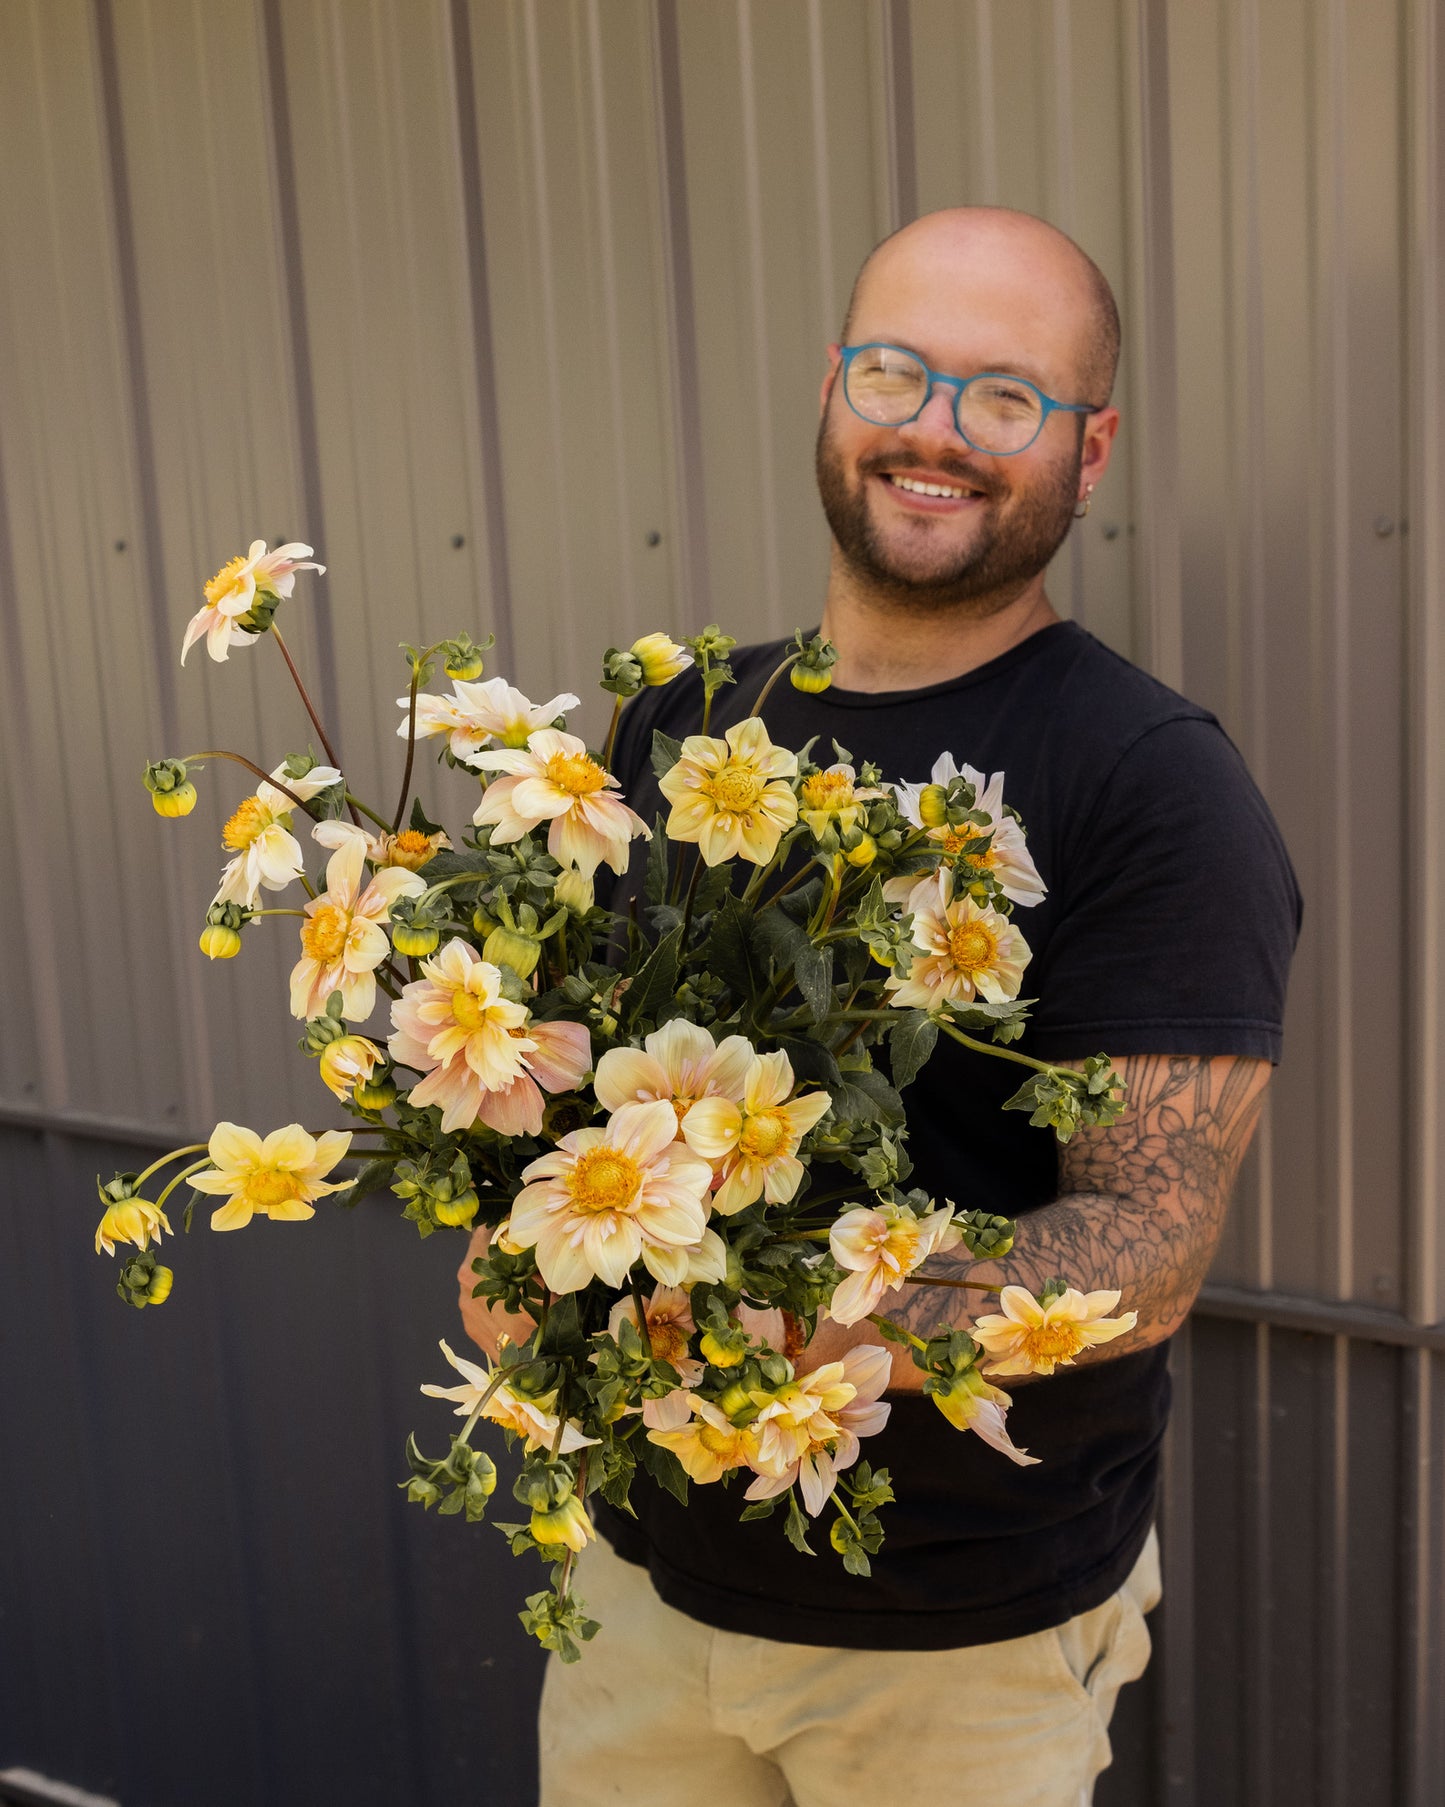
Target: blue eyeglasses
pixel 994 413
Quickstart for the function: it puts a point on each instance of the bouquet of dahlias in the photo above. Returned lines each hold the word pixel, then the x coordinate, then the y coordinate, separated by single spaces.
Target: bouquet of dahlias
pixel 674 1115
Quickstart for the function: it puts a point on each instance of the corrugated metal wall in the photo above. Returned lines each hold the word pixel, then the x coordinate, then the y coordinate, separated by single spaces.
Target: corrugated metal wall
pixel 515 309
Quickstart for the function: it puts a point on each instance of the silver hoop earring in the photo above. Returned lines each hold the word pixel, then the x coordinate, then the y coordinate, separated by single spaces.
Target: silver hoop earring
pixel 1081 511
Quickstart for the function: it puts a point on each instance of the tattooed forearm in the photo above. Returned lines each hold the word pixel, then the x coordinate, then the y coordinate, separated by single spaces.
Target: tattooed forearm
pixel 1141 1204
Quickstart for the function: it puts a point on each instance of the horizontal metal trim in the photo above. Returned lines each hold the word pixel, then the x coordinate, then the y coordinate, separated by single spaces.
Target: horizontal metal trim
pixel 89 1127
pixel 1290 1311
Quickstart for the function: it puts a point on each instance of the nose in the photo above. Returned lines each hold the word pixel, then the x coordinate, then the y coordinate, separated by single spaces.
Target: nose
pixel 934 429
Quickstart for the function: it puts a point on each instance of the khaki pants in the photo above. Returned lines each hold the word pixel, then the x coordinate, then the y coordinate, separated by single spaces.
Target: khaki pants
pixel 664 1709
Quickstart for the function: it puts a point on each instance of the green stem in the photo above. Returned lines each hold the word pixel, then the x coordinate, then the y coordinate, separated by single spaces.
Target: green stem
pixel 416 667
pixel 367 810
pixel 166 1159
pixel 763 694
pixel 876 1317
pixel 641 1311
pixel 843 1511
pixel 611 741
pixel 977 1286
pixel 184 1174
pixel 278 912
pixel 697 873
pixel 1022 1060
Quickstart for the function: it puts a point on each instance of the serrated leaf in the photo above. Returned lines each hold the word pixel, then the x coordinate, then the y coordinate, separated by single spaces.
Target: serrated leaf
pixel 758 1509
pixel 420 821
pixel 373 1177
pixel 654 878
pixel 855 1561
pixel 562 1333
pixel 450 864
pixel 795 1528
pixel 910 1042
pixel 811 1061
pixel 655 984
pixel 665 1469
pixel 665 752
pixel 729 950
pixel 813 970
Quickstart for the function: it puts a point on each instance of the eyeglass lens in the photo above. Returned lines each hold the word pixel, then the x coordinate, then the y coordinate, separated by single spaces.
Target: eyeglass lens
pixel 995 414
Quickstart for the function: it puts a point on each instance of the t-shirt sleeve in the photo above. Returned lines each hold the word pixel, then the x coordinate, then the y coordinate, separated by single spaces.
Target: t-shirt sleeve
pixel 1179 914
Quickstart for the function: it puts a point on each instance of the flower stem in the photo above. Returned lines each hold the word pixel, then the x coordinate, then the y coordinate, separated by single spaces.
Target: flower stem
pixel 697 873
pixel 367 810
pixel 326 745
pixel 641 1310
pixel 251 766
pixel 1023 1060
pixel 875 1317
pixel 166 1159
pixel 766 690
pixel 612 732
pixel 977 1286
pixel 184 1174
pixel 416 667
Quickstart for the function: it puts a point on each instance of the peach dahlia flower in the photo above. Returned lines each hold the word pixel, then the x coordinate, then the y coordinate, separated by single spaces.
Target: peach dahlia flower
pixel 555 780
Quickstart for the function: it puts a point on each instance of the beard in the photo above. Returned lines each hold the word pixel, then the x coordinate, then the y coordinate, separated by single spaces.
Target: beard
pixel 1018 535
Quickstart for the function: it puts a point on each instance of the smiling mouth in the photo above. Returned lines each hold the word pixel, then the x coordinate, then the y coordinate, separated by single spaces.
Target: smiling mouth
pixel 915 486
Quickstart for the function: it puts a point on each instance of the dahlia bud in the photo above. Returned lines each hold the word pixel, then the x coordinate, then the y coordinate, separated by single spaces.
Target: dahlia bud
pixel 221 937
pixel 575 891
pixel 565 1524
pixel 172 793
pixel 933 806
pixel 462 658
pixel 510 947
pixel 660 657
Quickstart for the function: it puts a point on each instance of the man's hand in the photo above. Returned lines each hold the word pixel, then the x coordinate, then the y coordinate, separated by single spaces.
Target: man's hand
pixel 1142 1206
pixel 485 1324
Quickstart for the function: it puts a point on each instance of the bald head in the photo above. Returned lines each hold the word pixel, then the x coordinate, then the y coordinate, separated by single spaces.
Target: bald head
pixel 993 256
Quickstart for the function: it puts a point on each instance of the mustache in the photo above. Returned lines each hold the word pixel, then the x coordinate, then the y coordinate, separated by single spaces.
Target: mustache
pixel 946 467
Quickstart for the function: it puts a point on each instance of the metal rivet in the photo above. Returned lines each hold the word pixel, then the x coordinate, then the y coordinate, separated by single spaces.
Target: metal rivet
pixel 120 545
pixel 1384 526
pixel 458 541
pixel 654 538
pixel 1111 532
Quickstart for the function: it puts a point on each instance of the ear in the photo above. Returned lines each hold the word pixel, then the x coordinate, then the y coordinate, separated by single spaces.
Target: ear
pixel 1098 447
pixel 830 377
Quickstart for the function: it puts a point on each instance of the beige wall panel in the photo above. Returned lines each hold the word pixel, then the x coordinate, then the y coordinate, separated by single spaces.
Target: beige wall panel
pixel 389 339
pixel 572 197
pixel 759 154
pixel 1289 247
pixel 100 1030
pixel 1024 105
pixel 221 401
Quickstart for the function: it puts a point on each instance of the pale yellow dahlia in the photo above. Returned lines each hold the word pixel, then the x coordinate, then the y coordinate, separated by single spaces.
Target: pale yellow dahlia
pixel 881 1247
pixel 831 799
pixel 554 779
pixel 707 1443
pixel 732 796
pixel 476 715
pixel 679 1062
pixel 812 1448
pixel 134 1220
pixel 965 951
pixel 342 941
pixel 1006 856
pixel 969 1403
pixel 232 592
pixel 259 834
pixel 530 1418
pixel 483 1057
pixel 1029 1337
pixel 753 1142
pixel 613 1195
pixel 279 1178
pixel 347 1062
pixel 410 848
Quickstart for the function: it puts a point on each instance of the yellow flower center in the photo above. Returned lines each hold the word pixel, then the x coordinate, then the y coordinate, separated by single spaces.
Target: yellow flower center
pixel 410 849
pixel 763 1135
pixel 735 788
pixel 954 840
pixel 250 821
pixel 272 1186
pixel 323 936
pixel 224 583
pixel 831 791
pixel 728 1444
pixel 972 947
pixel 669 1340
pixel 1058 1341
pixel 468 1010
pixel 576 773
pixel 604 1179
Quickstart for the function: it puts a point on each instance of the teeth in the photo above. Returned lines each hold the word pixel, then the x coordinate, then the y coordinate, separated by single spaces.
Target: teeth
pixel 930 489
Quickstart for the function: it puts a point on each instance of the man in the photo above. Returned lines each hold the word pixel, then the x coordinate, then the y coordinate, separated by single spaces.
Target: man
pixel 981 1661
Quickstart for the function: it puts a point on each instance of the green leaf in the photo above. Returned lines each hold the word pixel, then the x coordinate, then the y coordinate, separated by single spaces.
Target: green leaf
pixel 665 752
pixel 654 879
pixel 420 821
pixel 910 1042
pixel 813 969
pixel 795 1528
pixel 811 1061
pixel 373 1177
pixel 758 1509
pixel 654 986
pixel 451 864
pixel 665 1469
pixel 729 951
pixel 562 1333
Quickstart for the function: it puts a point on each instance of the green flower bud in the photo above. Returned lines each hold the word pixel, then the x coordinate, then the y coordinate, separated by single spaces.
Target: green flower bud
pixel 660 658
pixel 566 1524
pixel 809 679
pixel 462 658
pixel 219 942
pixel 575 892
pixel 377 1093
pixel 172 793
pixel 510 947
pixel 933 806
pixel 726 1351
pixel 621 673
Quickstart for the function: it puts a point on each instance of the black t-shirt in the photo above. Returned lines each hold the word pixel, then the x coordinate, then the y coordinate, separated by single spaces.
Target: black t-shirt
pixel 1170 919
